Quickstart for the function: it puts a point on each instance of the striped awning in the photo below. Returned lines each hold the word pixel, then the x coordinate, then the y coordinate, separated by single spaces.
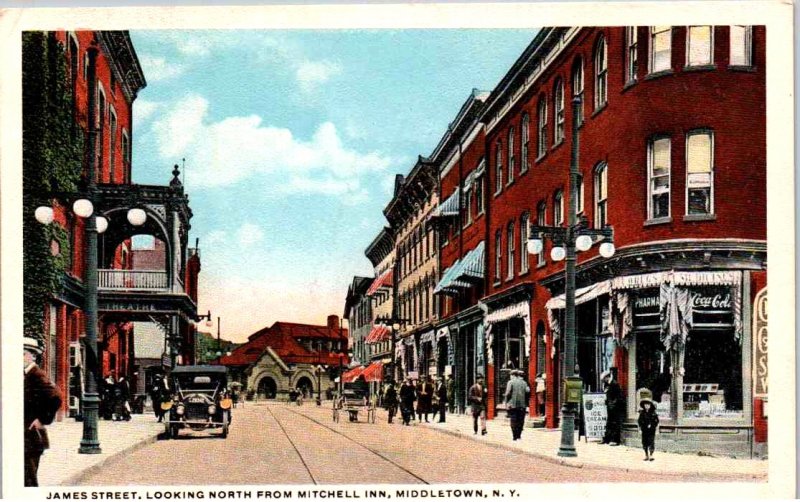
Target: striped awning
pixel 472 267
pixel 447 208
pixel 373 372
pixel 449 281
pixel 352 374
pixel 382 282
pixel 377 334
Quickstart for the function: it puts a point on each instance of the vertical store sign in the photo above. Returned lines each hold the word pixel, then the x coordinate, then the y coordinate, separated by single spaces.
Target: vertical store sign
pixel 760 368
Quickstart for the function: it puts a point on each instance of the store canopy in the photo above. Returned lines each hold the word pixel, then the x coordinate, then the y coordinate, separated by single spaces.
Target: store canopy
pixel 352 374
pixel 450 282
pixel 381 283
pixel 447 208
pixel 378 333
pixel 582 295
pixel 472 267
pixel 373 372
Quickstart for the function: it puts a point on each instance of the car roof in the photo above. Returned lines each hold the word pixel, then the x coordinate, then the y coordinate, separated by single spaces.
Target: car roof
pixel 203 368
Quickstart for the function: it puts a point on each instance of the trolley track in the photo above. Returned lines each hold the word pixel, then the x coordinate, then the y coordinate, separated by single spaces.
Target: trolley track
pixel 348 438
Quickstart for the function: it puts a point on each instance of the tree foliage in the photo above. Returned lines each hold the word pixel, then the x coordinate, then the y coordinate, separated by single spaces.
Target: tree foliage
pixel 52 153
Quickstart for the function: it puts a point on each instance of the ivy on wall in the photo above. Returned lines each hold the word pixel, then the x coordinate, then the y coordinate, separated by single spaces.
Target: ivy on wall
pixel 52 157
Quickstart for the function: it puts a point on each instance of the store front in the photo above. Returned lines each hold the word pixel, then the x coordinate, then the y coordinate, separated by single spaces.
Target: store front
pixel 508 342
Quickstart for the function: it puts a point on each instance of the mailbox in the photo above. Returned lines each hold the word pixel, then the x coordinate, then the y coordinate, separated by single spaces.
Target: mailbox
pixel 573 389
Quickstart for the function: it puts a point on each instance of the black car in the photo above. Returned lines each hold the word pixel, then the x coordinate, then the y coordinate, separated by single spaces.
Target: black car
pixel 200 400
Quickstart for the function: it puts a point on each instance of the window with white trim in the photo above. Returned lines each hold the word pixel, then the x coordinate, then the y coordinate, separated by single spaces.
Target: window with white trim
pixel 579 198
pixel 511 159
pixel 558 208
pixel 741 51
pixel 112 144
pixel 699 45
pixel 658 178
pixel 541 220
pixel 631 54
pixel 700 172
pixel 558 102
pixel 467 205
pixel 498 255
pixel 498 168
pixel 525 139
pixel 660 48
pixel 479 202
pixel 542 149
pixel 601 196
pixel 523 242
pixel 577 87
pixel 600 74
pixel 511 244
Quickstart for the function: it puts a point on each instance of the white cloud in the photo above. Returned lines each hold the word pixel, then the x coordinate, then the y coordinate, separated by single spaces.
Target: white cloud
pixel 238 148
pixel 157 69
pixel 311 74
pixel 249 234
pixel 143 110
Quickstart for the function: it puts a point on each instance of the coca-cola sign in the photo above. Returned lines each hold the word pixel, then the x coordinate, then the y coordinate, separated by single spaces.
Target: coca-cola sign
pixel 718 301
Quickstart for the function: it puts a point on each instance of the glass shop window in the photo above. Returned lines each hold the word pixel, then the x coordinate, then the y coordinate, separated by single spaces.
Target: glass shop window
pixel 509 353
pixel 652 369
pixel 595 343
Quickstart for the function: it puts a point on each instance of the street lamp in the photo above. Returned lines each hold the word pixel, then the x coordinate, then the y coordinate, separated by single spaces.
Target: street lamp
pixel 576 236
pixel 83 206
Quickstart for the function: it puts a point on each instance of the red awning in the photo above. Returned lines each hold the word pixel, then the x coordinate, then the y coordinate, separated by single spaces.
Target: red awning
pixel 352 374
pixel 377 334
pixel 383 281
pixel 373 372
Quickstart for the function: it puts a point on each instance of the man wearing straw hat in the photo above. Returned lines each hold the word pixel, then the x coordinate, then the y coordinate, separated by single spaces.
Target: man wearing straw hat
pixel 42 401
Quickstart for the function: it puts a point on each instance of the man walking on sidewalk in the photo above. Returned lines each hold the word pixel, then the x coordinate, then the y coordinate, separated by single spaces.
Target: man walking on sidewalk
pixel 41 403
pixel 441 393
pixel 516 400
pixel 477 400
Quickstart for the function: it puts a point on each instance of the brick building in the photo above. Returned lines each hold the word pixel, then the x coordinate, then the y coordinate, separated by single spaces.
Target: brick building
pixel 377 345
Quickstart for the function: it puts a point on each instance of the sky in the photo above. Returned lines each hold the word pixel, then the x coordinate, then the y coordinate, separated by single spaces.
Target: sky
pixel 291 141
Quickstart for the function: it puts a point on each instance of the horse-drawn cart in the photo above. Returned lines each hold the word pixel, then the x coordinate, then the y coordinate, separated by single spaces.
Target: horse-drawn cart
pixel 351 401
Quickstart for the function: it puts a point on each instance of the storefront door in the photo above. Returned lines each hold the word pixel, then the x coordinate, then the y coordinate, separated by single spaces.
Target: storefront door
pixel 509 354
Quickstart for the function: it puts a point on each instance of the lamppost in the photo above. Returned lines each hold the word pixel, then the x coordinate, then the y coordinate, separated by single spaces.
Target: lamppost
pixel 208 324
pixel 83 206
pixel 392 323
pixel 576 236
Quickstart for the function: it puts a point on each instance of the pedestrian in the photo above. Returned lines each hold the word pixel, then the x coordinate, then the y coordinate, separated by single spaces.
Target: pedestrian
pixel 41 403
pixel 390 400
pixel 407 398
pixel 615 406
pixel 516 391
pixel 451 393
pixel 107 396
pixel 442 394
pixel 541 392
pixel 648 424
pixel 122 396
pixel 477 401
pixel 424 398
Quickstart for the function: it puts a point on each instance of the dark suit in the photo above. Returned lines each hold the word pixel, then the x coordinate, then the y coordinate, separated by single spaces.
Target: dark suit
pixel 42 401
pixel 441 393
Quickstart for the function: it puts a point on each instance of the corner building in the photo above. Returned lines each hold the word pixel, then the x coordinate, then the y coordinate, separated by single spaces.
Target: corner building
pixel 672 155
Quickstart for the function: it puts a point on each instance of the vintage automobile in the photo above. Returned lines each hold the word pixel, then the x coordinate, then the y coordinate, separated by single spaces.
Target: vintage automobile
pixel 200 400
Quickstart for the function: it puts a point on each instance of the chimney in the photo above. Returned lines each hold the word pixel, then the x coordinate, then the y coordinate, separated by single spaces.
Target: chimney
pixel 333 321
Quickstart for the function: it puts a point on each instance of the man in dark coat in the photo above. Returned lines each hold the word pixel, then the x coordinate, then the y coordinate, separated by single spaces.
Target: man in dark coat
pixel 41 403
pixel 441 393
pixel 516 395
pixel 615 405
pixel 407 398
pixel 424 398
pixel 390 400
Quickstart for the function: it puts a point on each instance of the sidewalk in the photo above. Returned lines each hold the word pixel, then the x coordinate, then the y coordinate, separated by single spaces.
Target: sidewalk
pixel 543 443
pixel 63 465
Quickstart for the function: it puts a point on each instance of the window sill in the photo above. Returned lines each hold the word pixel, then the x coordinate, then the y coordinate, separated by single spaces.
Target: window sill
pixel 700 67
pixel 541 265
pixel 700 217
pixel 629 84
pixel 496 283
pixel 658 74
pixel 658 221
pixel 523 273
pixel 540 157
pixel 742 68
pixel 509 183
pixel 556 145
pixel 599 109
pixel 521 172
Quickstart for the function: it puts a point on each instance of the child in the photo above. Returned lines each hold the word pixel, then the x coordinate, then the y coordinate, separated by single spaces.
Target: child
pixel 648 423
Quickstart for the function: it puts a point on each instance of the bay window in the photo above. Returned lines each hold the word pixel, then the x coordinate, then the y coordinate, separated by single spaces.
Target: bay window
pixel 699 45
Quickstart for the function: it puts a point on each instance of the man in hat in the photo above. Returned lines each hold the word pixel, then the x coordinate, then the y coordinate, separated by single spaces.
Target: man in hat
pixel 441 394
pixel 41 403
pixel 517 391
pixel 615 406
pixel 476 397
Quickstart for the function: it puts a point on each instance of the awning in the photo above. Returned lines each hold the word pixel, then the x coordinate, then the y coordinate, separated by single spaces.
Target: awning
pixel 351 375
pixel 373 372
pixel 447 208
pixel 377 334
pixel 383 281
pixel 449 280
pixel 472 267
pixel 582 295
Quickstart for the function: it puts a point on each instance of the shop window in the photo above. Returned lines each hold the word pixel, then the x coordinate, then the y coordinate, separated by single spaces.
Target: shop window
pixel 653 364
pixel 577 87
pixel 523 242
pixel 632 54
pixel 601 196
pixel 660 48
pixel 558 102
pixel 510 243
pixel 526 140
pixel 511 159
pixel 542 145
pixel 558 208
pixel 509 353
pixel 700 172
pixel 658 173
pixel 712 383
pixel 699 45
pixel 600 75
pixel 595 344
pixel 741 51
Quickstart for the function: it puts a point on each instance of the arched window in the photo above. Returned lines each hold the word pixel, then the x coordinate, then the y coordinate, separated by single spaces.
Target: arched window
pixel 577 87
pixel 558 208
pixel 600 74
pixel 498 168
pixel 511 244
pixel 601 195
pixel 511 159
pixel 525 139
pixel 498 254
pixel 541 220
pixel 542 117
pixel 558 103
pixel 523 242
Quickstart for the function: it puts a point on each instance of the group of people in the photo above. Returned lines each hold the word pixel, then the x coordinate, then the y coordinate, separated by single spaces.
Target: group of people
pixel 615 406
pixel 431 398
pixel 115 395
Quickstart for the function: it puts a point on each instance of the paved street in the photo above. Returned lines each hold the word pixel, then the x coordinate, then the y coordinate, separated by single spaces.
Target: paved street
pixel 282 444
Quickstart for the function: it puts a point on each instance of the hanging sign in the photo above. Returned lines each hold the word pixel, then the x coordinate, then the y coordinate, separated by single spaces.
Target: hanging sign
pixel 594 415
pixel 760 367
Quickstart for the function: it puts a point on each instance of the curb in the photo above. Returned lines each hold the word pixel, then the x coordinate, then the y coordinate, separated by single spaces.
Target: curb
pixel 724 476
pixel 79 477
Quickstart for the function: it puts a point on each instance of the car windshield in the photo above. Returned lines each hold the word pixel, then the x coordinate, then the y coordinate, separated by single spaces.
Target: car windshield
pixel 196 382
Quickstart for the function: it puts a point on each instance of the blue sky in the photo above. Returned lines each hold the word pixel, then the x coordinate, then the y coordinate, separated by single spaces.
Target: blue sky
pixel 292 140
